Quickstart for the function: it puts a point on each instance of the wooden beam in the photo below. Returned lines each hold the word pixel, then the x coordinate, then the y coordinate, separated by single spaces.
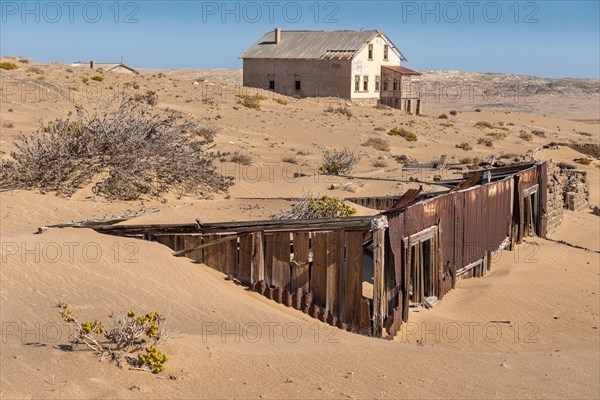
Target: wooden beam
pixel 257 257
pixel 223 239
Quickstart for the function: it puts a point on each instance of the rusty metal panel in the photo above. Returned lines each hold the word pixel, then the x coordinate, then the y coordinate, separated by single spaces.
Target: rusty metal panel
pixel 528 178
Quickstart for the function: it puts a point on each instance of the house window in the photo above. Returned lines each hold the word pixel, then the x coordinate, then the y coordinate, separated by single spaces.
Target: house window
pixel 357 83
pixel 370 51
pixel 271 85
pixel 385 84
pixel 377 83
pixel 298 85
pixel 395 84
pixel 386 49
pixel 366 83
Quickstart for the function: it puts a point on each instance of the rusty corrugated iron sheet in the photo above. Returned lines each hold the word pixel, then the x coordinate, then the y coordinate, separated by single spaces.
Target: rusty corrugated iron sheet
pixel 473 180
pixel 471 221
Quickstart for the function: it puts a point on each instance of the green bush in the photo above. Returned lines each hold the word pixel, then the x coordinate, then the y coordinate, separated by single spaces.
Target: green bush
pixel 323 207
pixel 97 78
pixel 408 136
pixel 8 66
pixel 122 339
pixel 584 161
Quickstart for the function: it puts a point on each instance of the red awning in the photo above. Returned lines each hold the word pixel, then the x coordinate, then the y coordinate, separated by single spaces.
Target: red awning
pixel 402 70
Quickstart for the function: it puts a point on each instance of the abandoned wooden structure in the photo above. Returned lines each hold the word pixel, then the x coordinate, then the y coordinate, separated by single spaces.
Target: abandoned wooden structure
pixel 363 273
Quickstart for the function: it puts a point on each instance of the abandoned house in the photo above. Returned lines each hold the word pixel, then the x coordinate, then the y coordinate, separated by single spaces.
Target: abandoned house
pixel 112 67
pixel 362 66
pixel 366 273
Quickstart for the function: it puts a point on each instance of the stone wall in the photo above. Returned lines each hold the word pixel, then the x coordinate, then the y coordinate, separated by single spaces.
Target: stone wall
pixel 576 190
pixel 555 199
pixel 567 188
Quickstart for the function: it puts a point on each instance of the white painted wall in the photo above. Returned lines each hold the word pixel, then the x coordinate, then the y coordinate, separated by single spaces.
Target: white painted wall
pixel 361 65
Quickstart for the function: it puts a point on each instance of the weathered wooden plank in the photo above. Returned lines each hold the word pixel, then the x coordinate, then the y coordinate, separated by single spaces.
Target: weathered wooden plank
pixel 258 257
pixel 340 223
pixel 353 295
pixel 194 241
pixel 245 259
pixel 379 287
pixel 211 253
pixel 281 260
pixel 189 249
pixel 332 273
pixel 269 248
pixel 300 263
pixel 228 257
pixel 318 273
pixel 364 324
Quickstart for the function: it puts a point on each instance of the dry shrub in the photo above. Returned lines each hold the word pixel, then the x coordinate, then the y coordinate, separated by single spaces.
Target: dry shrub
pixel 466 146
pixel 378 144
pixel 404 159
pixel 498 135
pixel 239 157
pixel 339 110
pixel 339 162
pixel 36 70
pixel 484 124
pixel 539 133
pixel 453 112
pixel 443 116
pixel 528 137
pixel 380 163
pixel 487 142
pixel 129 151
pixel 150 98
pixel 291 159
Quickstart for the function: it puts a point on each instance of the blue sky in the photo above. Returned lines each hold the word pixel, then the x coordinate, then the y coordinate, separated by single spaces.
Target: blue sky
pixel 542 38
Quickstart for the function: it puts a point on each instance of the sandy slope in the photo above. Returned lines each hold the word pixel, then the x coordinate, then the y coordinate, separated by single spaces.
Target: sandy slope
pixel 550 358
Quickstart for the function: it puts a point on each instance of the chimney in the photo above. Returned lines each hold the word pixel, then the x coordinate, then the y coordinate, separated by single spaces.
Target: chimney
pixel 92 64
pixel 277 35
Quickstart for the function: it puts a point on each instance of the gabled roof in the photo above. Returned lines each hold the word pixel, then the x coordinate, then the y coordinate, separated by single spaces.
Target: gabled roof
pixel 314 44
pixel 104 66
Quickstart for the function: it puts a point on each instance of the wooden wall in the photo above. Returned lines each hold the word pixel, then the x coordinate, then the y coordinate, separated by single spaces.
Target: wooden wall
pixel 323 267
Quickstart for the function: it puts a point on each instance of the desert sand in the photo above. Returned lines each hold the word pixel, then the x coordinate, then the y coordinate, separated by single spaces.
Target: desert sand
pixel 529 329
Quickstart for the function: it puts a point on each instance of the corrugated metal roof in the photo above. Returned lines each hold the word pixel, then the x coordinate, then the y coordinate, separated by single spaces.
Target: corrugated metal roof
pixel 312 44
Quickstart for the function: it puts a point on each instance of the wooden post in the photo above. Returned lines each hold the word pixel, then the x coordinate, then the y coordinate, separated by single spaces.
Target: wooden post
pixel 406 277
pixel 257 257
pixel 379 226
